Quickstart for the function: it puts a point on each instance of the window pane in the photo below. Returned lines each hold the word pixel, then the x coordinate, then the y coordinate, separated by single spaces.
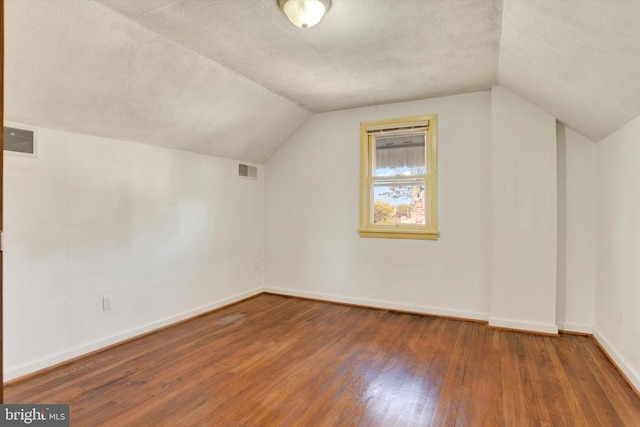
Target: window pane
pixel 397 155
pixel 398 203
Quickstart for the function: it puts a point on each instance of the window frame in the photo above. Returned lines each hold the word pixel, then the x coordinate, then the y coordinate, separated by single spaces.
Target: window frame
pixel 427 231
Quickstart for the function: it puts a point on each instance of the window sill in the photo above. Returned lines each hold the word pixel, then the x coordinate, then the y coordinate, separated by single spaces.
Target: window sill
pixel 399 234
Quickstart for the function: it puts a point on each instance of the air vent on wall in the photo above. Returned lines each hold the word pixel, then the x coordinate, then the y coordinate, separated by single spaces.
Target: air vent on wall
pixel 247 171
pixel 22 141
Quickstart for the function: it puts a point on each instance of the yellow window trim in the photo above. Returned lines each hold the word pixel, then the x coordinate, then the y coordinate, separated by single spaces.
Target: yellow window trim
pixel 429 231
pixel 391 234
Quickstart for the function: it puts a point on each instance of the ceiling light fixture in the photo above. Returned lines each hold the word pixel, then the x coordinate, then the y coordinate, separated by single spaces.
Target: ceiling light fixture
pixel 304 13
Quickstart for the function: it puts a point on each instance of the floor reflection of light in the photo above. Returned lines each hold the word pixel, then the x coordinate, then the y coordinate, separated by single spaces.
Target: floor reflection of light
pixel 395 396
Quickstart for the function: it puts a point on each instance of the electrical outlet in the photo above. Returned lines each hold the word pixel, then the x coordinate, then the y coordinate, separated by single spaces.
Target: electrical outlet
pixel 107 302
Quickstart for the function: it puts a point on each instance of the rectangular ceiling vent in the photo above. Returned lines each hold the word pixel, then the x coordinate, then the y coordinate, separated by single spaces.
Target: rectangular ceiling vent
pixel 20 141
pixel 247 171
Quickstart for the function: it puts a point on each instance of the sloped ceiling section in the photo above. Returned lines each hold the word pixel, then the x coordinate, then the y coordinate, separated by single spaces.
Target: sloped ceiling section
pixel 235 79
pixel 578 60
pixel 81 67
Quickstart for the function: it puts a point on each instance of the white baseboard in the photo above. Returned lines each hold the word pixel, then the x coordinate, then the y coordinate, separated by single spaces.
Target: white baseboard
pixel 45 362
pixel 545 328
pixel 628 371
pixel 580 328
pixel 435 311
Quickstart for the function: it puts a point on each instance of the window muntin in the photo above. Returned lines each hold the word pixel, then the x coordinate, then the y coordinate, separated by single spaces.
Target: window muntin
pixel 398 178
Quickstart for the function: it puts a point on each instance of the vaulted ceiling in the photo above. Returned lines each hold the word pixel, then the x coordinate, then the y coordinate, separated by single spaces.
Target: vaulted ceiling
pixel 235 79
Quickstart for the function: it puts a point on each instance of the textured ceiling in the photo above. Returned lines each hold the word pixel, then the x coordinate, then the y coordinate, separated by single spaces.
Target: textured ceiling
pixel 78 66
pixel 578 60
pixel 233 78
pixel 362 53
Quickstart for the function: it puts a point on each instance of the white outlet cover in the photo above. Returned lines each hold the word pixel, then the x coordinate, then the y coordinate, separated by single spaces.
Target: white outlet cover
pixel 106 302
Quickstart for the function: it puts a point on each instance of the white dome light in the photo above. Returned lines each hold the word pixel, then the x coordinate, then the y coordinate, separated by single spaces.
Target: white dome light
pixel 304 13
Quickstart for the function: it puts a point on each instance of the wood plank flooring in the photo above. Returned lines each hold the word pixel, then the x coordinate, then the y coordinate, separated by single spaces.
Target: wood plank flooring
pixel 274 360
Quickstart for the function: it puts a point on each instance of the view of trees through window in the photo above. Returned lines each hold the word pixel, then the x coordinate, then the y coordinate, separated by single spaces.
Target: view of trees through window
pixel 398 203
pixel 398 188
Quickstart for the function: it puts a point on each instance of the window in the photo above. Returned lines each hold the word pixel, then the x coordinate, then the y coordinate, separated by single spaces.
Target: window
pixel 398 178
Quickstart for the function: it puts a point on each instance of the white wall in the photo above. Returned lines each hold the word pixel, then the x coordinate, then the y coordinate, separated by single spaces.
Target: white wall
pixel 497 257
pixel 576 231
pixel 168 234
pixel 617 314
pixel 524 221
pixel 312 204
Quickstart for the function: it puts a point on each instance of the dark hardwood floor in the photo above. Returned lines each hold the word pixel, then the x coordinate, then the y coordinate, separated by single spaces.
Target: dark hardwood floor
pixel 274 360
